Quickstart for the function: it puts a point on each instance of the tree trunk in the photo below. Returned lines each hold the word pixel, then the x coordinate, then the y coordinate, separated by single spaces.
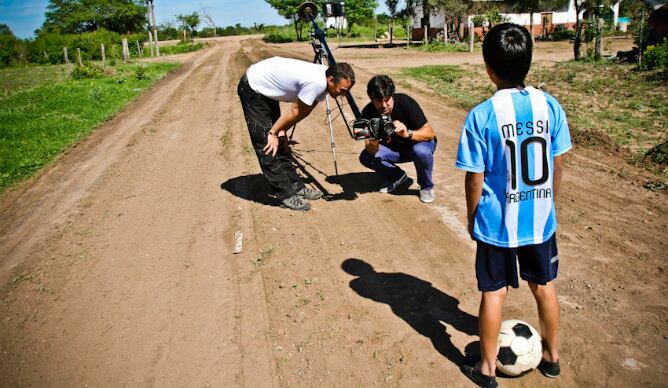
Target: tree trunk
pixel 577 45
pixel 597 45
pixel 391 28
pixel 533 37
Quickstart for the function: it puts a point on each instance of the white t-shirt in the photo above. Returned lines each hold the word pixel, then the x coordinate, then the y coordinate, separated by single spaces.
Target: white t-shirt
pixel 284 79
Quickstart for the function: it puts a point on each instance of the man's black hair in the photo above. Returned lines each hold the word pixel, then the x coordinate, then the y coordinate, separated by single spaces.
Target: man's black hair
pixel 341 70
pixel 507 50
pixel 380 86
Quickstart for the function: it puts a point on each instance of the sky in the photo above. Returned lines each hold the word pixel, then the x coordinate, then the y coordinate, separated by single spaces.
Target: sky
pixel 25 16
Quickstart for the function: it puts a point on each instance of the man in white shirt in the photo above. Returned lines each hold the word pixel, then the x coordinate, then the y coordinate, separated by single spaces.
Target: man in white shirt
pixel 290 80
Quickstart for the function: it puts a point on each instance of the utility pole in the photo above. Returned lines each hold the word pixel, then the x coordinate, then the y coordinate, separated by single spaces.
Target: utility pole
pixel 150 34
pixel 155 29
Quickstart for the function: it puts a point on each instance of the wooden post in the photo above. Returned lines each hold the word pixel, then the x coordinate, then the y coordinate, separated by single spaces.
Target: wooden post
pixel 67 59
pixel 139 50
pixel 79 57
pixel 155 30
pixel 150 35
pixel 425 37
pixel 471 36
pixel 104 58
pixel 445 33
pixel 126 50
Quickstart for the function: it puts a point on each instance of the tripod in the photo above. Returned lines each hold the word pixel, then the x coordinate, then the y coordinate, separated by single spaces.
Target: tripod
pixel 308 12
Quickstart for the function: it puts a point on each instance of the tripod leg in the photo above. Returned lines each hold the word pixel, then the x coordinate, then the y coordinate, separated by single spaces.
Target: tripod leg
pixel 294 128
pixel 345 120
pixel 331 134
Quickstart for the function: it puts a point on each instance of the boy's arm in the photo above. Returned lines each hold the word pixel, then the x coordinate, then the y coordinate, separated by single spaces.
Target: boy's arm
pixel 558 172
pixel 473 185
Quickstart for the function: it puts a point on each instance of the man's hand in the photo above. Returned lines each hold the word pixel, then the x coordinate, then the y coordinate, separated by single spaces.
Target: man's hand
pixel 272 144
pixel 400 129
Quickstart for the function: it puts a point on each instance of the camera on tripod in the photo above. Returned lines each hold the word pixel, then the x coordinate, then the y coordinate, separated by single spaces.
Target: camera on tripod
pixel 377 128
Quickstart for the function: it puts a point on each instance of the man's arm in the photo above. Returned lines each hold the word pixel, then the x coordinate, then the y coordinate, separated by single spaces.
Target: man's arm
pixel 558 172
pixel 473 185
pixel 424 133
pixel 292 116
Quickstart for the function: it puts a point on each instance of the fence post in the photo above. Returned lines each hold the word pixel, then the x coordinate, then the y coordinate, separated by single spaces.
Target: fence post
pixel 126 50
pixel 139 50
pixel 471 36
pixel 79 57
pixel 104 58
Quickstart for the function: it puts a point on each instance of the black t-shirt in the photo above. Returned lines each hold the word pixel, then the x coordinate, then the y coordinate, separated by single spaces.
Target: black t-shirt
pixel 405 109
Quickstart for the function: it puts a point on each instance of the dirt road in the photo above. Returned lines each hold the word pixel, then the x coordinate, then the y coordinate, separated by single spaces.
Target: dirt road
pixel 117 266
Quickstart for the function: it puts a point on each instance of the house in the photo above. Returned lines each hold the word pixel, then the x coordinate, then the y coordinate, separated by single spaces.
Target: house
pixel 543 22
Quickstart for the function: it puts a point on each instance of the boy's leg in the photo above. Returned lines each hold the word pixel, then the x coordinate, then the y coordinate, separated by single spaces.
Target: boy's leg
pixel 496 270
pixel 491 309
pixel 549 315
pixel 539 265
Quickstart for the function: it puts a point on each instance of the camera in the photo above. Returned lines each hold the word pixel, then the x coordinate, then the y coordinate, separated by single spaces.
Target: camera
pixel 377 128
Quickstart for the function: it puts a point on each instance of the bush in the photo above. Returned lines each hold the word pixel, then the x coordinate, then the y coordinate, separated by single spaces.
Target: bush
pixel 277 38
pixel 656 57
pixel 180 48
pixel 89 71
pixel 439 46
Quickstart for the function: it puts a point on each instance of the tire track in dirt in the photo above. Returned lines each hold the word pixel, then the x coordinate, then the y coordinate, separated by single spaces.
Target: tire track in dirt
pixel 139 287
pixel 28 212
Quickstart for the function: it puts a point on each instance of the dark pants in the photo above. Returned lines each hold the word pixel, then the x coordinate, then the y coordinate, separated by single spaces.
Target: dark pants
pixel 261 113
pixel 385 160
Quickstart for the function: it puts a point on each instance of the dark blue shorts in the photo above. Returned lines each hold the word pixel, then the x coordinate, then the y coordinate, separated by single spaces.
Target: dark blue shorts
pixel 496 267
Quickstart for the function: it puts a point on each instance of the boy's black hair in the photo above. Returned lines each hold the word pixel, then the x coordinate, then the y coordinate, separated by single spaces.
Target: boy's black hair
pixel 380 86
pixel 507 50
pixel 340 71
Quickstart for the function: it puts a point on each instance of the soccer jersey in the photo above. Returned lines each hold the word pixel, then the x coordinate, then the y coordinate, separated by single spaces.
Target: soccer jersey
pixel 285 79
pixel 513 138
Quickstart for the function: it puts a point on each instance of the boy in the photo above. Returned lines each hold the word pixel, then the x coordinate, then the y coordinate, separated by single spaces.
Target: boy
pixel 510 148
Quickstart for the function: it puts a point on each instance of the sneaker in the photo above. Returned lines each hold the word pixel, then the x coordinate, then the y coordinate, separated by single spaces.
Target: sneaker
pixel 549 369
pixel 427 196
pixel 296 203
pixel 396 184
pixel 308 193
pixel 477 377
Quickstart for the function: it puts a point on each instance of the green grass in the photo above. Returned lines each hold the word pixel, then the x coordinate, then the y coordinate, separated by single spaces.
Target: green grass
pixel 14 79
pixel 180 48
pixel 37 124
pixel 630 107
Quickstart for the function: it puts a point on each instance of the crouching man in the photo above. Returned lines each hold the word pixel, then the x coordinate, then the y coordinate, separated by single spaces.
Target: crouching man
pixel 413 139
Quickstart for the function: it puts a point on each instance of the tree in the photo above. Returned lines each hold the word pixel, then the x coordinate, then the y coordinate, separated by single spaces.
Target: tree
pixel 358 11
pixel 392 7
pixel 75 16
pixel 206 17
pixel 595 8
pixel 533 6
pixel 288 9
pixel 189 23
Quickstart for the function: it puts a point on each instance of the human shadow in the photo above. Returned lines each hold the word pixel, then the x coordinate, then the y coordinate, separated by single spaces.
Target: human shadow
pixel 417 302
pixel 251 188
pixel 355 183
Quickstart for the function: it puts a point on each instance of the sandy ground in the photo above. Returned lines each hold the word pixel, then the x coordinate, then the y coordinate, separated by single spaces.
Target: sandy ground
pixel 116 264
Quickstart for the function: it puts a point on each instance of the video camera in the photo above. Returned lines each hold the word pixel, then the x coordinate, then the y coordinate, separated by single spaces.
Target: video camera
pixel 377 128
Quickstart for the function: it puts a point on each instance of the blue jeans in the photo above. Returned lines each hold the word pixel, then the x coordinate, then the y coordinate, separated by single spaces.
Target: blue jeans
pixel 385 160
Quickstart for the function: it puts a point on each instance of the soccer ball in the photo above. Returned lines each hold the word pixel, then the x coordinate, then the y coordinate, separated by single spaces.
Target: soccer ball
pixel 520 348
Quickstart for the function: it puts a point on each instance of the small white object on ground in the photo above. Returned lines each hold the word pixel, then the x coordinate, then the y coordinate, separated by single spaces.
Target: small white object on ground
pixel 238 242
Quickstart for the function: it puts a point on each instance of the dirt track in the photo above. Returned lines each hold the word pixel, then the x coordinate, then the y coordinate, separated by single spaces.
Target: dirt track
pixel 117 268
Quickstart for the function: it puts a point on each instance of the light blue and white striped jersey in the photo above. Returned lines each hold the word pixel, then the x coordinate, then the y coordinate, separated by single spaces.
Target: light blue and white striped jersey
pixel 513 138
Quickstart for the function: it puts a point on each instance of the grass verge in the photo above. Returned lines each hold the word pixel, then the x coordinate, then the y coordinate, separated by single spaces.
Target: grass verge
pixel 38 123
pixel 628 106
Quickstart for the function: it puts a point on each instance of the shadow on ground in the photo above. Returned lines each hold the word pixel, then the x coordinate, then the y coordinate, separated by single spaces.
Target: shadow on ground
pixel 417 302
